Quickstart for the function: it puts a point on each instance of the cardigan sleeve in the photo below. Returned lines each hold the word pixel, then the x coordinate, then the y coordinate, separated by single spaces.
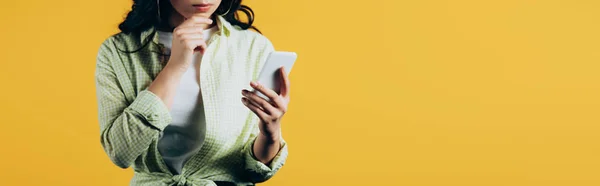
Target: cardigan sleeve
pixel 126 129
pixel 256 170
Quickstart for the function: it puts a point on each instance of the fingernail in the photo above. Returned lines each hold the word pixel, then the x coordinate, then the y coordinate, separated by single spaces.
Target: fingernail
pixel 252 83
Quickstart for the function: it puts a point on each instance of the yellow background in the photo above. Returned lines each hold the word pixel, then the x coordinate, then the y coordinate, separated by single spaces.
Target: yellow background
pixel 423 93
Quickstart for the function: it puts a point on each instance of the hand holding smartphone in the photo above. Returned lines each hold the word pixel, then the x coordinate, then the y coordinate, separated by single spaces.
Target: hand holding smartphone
pixel 270 76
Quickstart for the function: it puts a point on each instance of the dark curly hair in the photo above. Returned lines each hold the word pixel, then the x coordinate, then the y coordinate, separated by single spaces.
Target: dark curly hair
pixel 144 15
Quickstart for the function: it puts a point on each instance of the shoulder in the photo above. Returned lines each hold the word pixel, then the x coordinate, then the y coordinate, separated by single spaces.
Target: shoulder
pixel 126 41
pixel 122 43
pixel 113 47
pixel 110 43
pixel 107 47
pixel 118 38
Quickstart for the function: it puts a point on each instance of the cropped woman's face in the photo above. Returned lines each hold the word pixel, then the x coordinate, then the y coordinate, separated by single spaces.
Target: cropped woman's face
pixel 187 8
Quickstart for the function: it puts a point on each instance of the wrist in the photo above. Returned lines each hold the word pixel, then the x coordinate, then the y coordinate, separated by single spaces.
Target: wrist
pixel 176 67
pixel 274 138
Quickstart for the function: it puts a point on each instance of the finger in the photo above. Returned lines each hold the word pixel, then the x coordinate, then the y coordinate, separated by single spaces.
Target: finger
pixel 191 36
pixel 260 101
pixel 193 25
pixel 180 31
pixel 281 104
pixel 190 29
pixel 196 20
pixel 260 113
pixel 256 105
pixel 277 100
pixel 271 94
pixel 284 82
pixel 194 44
pixel 201 46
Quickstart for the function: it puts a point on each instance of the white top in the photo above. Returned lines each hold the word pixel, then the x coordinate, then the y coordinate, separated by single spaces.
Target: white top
pixel 184 137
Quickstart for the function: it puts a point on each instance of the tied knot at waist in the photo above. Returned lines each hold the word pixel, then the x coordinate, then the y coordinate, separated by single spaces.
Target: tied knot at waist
pixel 181 180
pixel 173 180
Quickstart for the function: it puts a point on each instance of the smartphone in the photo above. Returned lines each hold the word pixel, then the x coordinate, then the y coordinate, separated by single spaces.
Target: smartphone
pixel 270 76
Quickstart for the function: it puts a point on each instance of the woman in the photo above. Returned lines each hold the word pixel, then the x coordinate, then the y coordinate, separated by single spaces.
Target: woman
pixel 168 89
